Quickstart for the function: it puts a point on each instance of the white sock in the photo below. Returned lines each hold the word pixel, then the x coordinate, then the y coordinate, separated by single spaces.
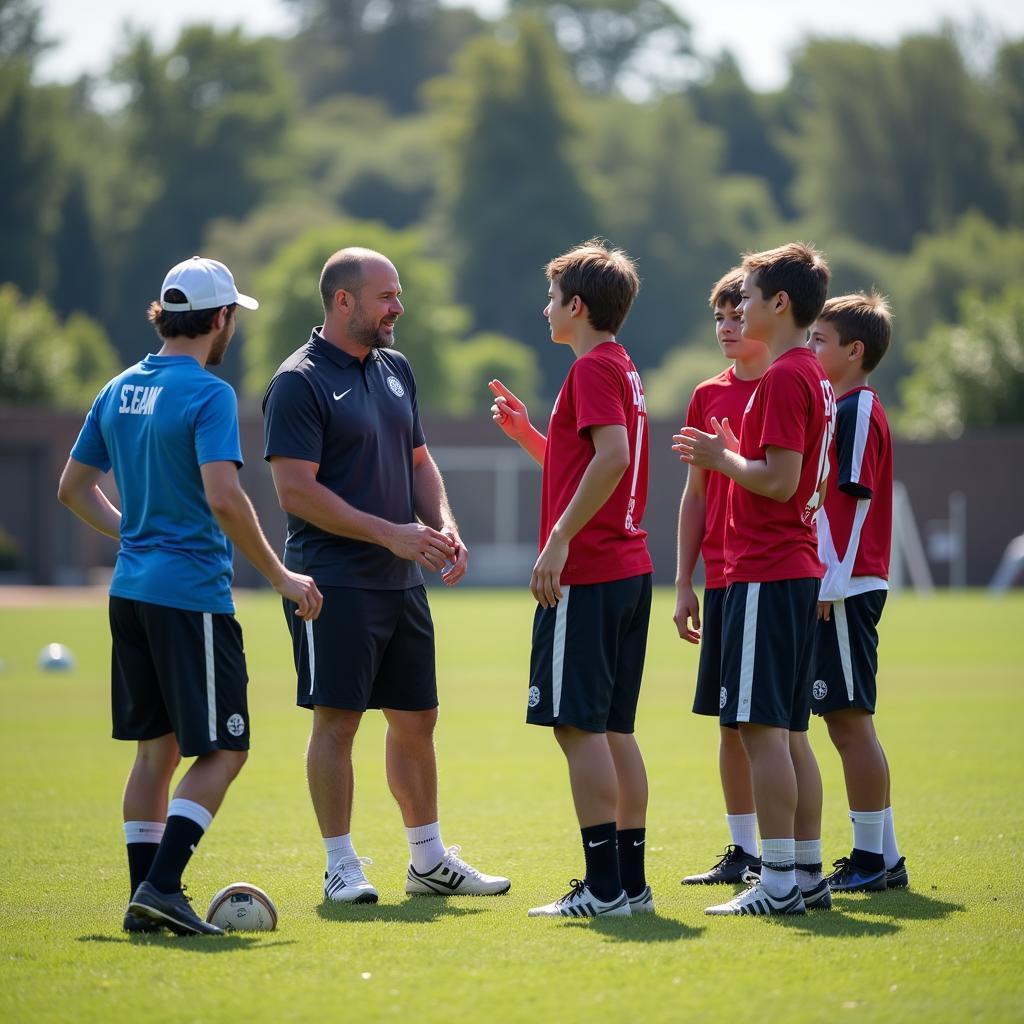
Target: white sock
pixel 890 850
pixel 425 846
pixel 182 808
pixel 338 848
pixel 868 827
pixel 807 853
pixel 743 830
pixel 778 870
pixel 143 831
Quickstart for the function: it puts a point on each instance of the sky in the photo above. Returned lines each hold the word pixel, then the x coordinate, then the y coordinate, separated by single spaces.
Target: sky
pixel 760 32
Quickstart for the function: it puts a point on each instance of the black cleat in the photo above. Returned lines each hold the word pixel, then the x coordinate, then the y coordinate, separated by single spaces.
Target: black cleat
pixel 896 877
pixel 172 910
pixel 819 897
pixel 139 925
pixel 729 870
pixel 851 877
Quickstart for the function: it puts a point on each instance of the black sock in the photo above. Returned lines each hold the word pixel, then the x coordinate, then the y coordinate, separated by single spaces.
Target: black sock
pixel 631 860
pixel 140 860
pixel 180 840
pixel 602 855
pixel 868 861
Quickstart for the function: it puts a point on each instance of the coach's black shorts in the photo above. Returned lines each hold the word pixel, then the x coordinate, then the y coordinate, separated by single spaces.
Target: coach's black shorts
pixel 846 660
pixel 768 653
pixel 708 698
pixel 178 671
pixel 368 649
pixel 588 656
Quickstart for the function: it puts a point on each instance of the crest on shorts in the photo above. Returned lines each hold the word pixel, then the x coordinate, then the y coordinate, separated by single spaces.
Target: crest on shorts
pixel 533 698
pixel 723 697
pixel 820 689
pixel 396 386
pixel 235 725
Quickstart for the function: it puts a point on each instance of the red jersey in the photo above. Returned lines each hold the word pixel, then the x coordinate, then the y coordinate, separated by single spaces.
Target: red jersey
pixel 724 397
pixel 602 389
pixel 855 527
pixel 793 408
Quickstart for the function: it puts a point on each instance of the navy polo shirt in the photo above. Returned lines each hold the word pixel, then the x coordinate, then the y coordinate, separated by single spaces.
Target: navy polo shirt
pixel 359 422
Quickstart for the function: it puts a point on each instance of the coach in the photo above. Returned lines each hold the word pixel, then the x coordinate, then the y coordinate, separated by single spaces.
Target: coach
pixel 367 510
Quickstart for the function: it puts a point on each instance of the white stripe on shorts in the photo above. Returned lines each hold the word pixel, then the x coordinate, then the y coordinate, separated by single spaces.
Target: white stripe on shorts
pixel 843 636
pixel 558 652
pixel 747 653
pixel 311 650
pixel 211 677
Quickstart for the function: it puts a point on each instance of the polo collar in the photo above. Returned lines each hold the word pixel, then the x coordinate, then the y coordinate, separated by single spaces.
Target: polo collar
pixel 318 342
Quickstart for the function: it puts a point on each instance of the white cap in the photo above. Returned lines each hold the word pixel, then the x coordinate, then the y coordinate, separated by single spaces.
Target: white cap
pixel 206 284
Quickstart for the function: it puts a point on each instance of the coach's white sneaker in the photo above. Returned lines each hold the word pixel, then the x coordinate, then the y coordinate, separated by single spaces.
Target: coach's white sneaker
pixel 758 901
pixel 452 876
pixel 579 901
pixel 348 884
pixel 643 903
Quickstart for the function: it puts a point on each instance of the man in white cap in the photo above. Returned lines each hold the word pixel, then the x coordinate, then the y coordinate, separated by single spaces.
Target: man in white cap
pixel 169 431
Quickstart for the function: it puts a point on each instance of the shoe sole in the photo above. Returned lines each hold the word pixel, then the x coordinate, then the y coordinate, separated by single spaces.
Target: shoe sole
pixel 363 897
pixel 872 887
pixel 455 892
pixel 160 918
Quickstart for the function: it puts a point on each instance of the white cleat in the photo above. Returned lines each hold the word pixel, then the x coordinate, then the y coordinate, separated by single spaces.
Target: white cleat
pixel 581 902
pixel 348 883
pixel 452 876
pixel 643 903
pixel 757 901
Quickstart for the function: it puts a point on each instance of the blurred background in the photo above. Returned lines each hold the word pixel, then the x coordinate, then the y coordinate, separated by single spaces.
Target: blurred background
pixel 473 142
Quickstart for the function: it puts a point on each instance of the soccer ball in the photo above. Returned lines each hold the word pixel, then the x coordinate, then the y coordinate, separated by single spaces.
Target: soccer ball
pixel 241 907
pixel 56 658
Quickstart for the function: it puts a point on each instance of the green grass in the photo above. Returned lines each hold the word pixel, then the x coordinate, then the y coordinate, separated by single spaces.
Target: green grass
pixel 950 949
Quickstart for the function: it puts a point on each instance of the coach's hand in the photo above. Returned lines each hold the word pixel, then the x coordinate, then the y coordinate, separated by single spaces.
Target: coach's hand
pixel 454 573
pixel 544 583
pixel 303 591
pixel 687 611
pixel 419 543
pixel 508 411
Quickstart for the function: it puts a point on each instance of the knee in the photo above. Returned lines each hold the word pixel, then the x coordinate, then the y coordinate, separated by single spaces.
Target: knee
pixel 415 726
pixel 731 743
pixel 848 732
pixel 159 757
pixel 230 762
pixel 338 727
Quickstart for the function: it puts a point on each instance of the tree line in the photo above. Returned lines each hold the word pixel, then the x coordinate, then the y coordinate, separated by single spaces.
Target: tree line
pixel 471 150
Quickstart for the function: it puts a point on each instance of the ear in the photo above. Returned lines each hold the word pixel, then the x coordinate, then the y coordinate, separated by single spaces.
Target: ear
pixel 856 350
pixel 343 301
pixel 782 302
pixel 575 306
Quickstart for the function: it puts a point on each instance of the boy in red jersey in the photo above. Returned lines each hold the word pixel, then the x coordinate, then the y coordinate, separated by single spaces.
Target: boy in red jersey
pixel 850 337
pixel 778 468
pixel 592 580
pixel 702 530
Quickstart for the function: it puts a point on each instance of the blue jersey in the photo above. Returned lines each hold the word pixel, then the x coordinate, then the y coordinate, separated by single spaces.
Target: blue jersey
pixel 155 425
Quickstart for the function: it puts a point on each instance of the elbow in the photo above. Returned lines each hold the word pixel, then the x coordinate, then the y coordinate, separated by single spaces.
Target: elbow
pixel 784 491
pixel 288 499
pixel 63 494
pixel 221 501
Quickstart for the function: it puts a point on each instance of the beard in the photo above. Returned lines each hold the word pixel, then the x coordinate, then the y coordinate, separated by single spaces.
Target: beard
pixel 219 347
pixel 369 333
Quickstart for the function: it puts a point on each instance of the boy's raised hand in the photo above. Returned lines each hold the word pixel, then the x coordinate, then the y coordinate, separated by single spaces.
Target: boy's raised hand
pixel 508 411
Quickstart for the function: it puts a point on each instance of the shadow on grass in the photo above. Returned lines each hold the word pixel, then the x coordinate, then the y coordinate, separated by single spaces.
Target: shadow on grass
pixel 189 943
pixel 416 910
pixel 901 903
pixel 884 911
pixel 641 928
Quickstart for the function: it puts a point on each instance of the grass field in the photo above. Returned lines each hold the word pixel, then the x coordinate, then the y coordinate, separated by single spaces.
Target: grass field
pixel 950 949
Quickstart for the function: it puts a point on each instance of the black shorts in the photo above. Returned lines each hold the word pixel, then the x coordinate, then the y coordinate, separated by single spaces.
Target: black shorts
pixel 178 671
pixel 846 660
pixel 708 698
pixel 588 656
pixel 768 653
pixel 368 649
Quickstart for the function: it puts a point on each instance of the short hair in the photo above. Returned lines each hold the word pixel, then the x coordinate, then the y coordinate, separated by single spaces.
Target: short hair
pixel 797 269
pixel 344 270
pixel 726 291
pixel 605 279
pixel 190 323
pixel 863 317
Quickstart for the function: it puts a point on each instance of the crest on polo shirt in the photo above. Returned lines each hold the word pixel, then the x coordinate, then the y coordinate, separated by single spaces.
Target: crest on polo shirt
pixel 396 386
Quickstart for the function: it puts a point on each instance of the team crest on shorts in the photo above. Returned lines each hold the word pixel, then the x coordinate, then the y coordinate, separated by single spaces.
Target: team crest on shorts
pixel 533 698
pixel 723 697
pixel 235 725
pixel 396 386
pixel 820 689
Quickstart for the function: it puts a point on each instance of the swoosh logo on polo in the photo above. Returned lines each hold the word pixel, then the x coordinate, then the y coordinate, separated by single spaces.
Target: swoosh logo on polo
pixel 338 397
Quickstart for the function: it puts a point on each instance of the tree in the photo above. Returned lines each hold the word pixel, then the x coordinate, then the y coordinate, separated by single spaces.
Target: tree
pixel 21 37
pixel 45 362
pixel 472 363
pixel 969 375
pixel 290 305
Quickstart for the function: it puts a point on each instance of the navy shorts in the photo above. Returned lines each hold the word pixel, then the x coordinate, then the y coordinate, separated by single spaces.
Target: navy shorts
pixel 178 671
pixel 768 653
pixel 368 649
pixel 847 655
pixel 708 700
pixel 588 655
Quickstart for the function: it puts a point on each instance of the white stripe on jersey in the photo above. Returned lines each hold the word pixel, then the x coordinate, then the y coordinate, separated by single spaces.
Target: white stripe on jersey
pixel 311 650
pixel 558 652
pixel 747 654
pixel 865 400
pixel 211 677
